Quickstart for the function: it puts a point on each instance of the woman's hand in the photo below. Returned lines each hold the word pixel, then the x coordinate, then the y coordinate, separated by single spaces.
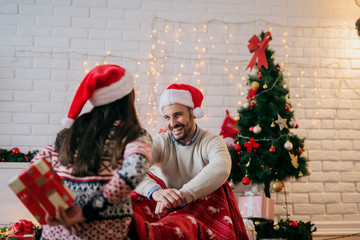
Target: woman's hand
pixel 71 218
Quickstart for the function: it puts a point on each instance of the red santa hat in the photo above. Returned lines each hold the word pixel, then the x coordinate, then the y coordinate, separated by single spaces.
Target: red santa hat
pixel 102 85
pixel 183 94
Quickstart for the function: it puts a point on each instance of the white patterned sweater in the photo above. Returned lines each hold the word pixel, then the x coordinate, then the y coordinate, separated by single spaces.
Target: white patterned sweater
pixel 105 197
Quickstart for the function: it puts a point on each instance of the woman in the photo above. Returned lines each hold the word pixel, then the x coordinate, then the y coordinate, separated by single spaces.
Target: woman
pixel 102 157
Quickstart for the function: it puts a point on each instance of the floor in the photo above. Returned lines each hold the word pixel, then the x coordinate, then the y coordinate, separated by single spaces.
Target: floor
pixel 345 237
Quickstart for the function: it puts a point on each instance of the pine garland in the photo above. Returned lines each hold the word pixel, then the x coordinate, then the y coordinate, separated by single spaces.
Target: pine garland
pixel 14 155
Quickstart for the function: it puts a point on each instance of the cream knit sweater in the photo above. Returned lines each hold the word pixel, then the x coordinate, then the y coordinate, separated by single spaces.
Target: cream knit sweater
pixel 197 170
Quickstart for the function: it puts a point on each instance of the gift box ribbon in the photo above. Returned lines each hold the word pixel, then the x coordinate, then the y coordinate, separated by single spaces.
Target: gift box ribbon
pixel 23 227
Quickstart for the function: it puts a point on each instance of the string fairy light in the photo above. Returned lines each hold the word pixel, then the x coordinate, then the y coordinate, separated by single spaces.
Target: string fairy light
pixel 222 45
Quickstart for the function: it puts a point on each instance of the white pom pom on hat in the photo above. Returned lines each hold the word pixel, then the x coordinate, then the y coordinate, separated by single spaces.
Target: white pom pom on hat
pixel 184 94
pixel 102 85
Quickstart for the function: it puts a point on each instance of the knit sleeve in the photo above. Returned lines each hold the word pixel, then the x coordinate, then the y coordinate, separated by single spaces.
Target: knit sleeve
pixel 148 183
pixel 214 174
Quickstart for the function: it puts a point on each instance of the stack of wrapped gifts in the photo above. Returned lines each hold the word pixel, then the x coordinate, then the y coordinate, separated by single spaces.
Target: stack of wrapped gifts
pixel 255 207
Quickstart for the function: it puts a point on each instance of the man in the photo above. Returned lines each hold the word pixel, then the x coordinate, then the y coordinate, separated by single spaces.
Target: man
pixel 188 175
pixel 192 162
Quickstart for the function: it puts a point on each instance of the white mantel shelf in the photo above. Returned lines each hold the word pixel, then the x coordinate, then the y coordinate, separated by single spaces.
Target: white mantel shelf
pixel 11 208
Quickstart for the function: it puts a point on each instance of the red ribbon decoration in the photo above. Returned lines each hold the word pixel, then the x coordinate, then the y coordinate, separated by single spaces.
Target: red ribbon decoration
pixel 23 227
pixel 251 94
pixel 257 46
pixel 251 144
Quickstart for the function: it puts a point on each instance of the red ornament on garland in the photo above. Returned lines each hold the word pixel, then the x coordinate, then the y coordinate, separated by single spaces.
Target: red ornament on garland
pixel 252 104
pixel 251 129
pixel 287 107
pixel 15 150
pixel 260 76
pixel 293 224
pixel 237 147
pixel 246 180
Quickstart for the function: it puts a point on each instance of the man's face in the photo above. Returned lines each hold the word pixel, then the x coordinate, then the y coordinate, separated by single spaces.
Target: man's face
pixel 179 121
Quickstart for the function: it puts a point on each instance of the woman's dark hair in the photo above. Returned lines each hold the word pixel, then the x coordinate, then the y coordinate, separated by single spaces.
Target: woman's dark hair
pixel 82 144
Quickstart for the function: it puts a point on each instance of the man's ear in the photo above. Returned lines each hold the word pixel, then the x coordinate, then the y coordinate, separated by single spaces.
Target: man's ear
pixel 191 112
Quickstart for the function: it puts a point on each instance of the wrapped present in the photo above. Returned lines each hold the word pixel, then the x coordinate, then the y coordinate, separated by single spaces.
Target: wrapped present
pixel 251 235
pixel 40 189
pixel 256 207
pixel 21 237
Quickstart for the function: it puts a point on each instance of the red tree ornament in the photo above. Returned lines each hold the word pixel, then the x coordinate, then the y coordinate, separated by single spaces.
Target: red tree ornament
pixel 272 149
pixel 246 180
pixel 237 147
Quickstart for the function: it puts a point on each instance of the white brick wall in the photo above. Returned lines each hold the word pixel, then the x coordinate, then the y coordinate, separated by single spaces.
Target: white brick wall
pixel 46 47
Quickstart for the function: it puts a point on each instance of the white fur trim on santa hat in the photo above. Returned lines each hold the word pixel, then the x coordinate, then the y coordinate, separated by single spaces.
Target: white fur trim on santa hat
pixel 198 112
pixel 67 122
pixel 173 96
pixel 115 91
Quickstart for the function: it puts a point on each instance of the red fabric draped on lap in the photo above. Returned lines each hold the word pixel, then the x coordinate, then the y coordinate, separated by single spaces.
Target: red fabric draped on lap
pixel 215 216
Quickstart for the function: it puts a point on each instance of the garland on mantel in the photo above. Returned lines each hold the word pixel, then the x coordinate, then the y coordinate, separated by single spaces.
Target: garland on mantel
pixel 15 155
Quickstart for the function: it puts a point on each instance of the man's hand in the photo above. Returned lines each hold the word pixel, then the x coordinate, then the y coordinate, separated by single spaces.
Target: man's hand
pixel 161 209
pixel 170 198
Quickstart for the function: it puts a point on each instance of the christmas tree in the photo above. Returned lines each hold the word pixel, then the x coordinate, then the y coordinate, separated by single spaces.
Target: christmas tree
pixel 266 151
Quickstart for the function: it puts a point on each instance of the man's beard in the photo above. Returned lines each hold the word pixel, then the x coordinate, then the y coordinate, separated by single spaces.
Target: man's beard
pixel 186 130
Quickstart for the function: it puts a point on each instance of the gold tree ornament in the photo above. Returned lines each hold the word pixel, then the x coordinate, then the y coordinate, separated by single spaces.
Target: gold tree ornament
pixel 281 122
pixel 273 124
pixel 255 85
pixel 294 160
pixel 277 186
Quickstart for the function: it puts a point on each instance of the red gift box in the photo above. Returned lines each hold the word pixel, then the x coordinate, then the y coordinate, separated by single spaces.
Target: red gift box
pixel 40 189
pixel 21 237
pixel 256 207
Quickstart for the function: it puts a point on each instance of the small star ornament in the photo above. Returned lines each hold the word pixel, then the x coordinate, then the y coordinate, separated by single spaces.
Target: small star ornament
pixel 281 122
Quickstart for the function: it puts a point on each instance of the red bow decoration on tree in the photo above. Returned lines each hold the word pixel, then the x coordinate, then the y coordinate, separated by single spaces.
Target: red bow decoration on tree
pixel 23 227
pixel 257 46
pixel 250 144
pixel 251 94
